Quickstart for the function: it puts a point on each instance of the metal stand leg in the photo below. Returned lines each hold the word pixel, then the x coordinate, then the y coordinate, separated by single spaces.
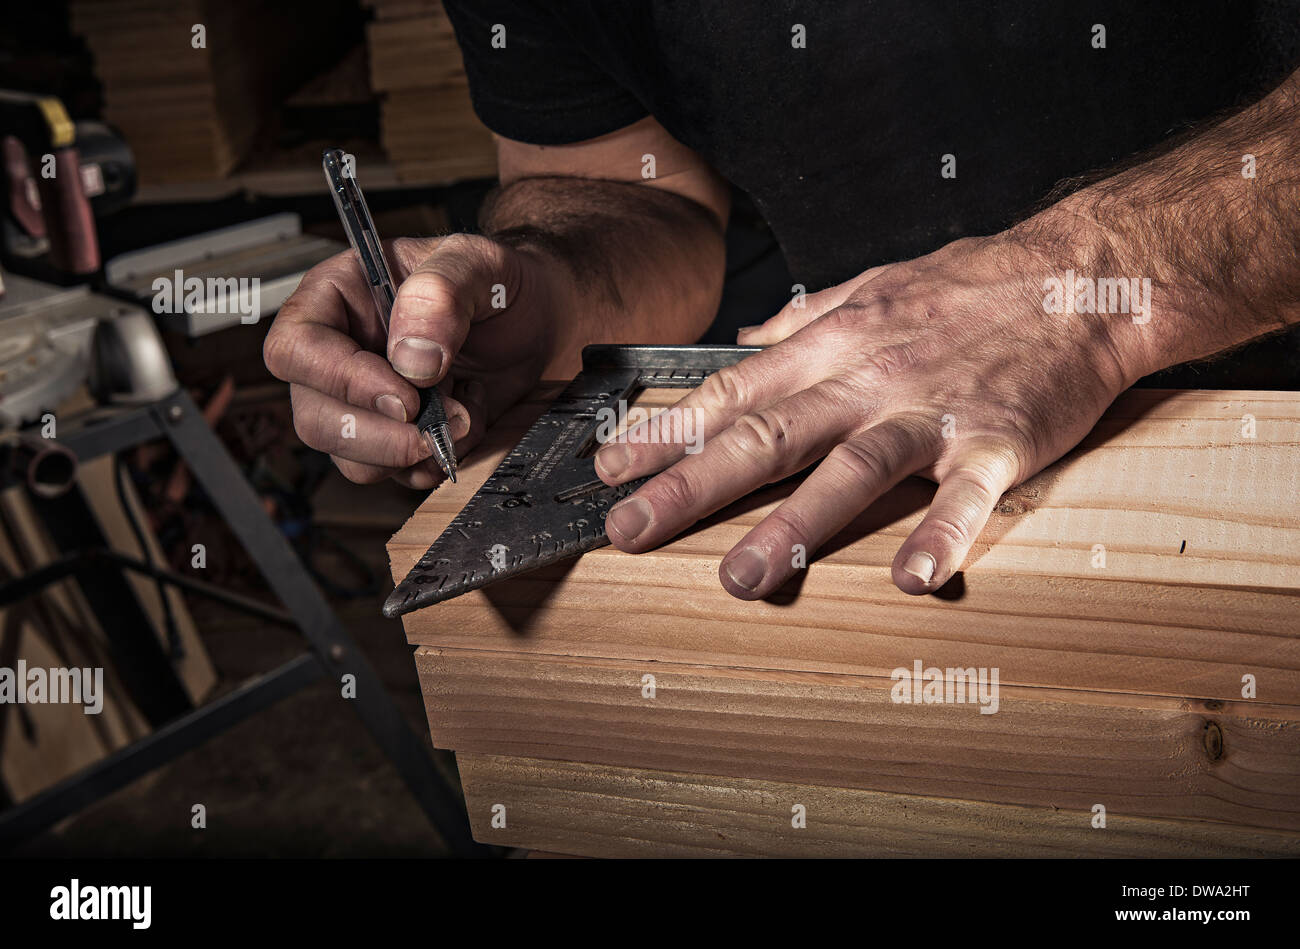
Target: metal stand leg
pixel 240 508
pixel 180 421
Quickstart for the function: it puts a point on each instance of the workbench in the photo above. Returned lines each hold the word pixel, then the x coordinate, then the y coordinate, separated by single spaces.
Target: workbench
pixel 1139 601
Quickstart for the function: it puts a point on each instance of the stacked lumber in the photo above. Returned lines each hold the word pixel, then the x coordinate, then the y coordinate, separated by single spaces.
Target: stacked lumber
pixel 192 113
pixel 1140 600
pixel 428 126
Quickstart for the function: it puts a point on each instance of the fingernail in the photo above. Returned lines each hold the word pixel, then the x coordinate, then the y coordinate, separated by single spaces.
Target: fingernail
pixel 614 459
pixel 921 566
pixel 747 568
pixel 418 358
pixel 629 518
pixel 391 406
pixel 746 329
pixel 459 425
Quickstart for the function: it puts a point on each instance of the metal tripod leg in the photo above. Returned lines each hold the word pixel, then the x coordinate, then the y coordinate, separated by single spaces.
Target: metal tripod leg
pixel 336 655
pixel 238 505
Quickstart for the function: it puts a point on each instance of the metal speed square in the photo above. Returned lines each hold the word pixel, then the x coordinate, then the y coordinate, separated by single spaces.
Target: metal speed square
pixel 544 502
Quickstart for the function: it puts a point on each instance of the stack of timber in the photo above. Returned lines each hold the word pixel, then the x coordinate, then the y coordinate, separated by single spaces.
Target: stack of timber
pixel 190 83
pixel 428 126
pixel 1139 599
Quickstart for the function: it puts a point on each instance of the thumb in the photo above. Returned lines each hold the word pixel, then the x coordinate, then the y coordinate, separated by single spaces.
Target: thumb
pixel 443 296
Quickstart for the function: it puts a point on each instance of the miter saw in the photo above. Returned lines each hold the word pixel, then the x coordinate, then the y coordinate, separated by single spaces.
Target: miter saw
pixel 56 337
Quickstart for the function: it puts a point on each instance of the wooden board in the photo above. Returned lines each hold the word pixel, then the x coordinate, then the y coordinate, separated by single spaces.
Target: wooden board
pixel 428 126
pixel 624 812
pixel 1153 621
pixel 192 113
pixel 1120 684
pixel 413 53
pixel 1235 762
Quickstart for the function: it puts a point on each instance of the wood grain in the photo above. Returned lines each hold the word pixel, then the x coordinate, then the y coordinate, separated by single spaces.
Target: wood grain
pixel 427 121
pixel 193 113
pixel 1120 685
pixel 1143 756
pixel 570 807
pixel 1153 621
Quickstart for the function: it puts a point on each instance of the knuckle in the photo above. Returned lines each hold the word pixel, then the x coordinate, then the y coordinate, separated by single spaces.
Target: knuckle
pixel 859 461
pixel 410 251
pixel 981 482
pixel 997 462
pixel 403 451
pixel 329 376
pixel 674 490
pixel 475 250
pixel 306 426
pixel 888 361
pixel 459 242
pixel 724 388
pixel 354 377
pixel 759 433
pixel 277 351
pixel 788 526
pixel 844 396
pixel 956 529
pixel 428 288
pixel 1016 453
pixel 846 316
pixel 1015 419
pixel 327 272
pixel 358 473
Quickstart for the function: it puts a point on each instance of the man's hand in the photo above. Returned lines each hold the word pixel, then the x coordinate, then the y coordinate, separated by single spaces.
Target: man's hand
pixel 955 366
pixel 580 248
pixel 463 299
pixel 946 366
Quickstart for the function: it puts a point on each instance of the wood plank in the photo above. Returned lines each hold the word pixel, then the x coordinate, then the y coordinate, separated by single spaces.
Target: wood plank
pixel 413 53
pixel 1164 472
pixel 1119 685
pixel 428 125
pixel 593 811
pixel 193 113
pixel 1139 755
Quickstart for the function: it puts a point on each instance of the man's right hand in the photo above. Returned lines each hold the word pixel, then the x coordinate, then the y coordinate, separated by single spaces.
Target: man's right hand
pixel 472 316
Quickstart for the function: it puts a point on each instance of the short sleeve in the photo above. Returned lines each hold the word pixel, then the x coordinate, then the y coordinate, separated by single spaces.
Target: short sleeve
pixel 529 77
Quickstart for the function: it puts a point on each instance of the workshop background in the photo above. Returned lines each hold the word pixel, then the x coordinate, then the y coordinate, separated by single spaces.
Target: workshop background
pixel 202 153
pixel 183 147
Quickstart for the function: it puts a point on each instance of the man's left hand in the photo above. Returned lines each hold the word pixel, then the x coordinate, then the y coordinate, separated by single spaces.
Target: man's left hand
pixel 947 366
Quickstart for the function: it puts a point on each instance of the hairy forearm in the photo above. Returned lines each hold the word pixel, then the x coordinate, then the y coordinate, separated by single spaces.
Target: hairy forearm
pixel 623 262
pixel 1221 248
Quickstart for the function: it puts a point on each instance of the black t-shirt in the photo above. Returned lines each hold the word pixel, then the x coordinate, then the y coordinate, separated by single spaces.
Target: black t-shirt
pixel 839 119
